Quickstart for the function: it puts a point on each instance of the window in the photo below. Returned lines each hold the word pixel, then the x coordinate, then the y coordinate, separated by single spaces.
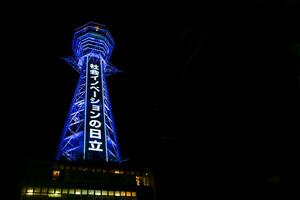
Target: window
pixel 111 193
pixel 128 194
pixel 138 180
pixel 122 193
pixel 51 191
pixel 104 192
pixel 29 189
pixel 84 191
pixel 55 173
pixel 65 191
pixel 57 191
pixel 71 191
pixel 78 191
pixel 117 193
pixel 134 194
pixel 37 189
pixel 91 192
pixel 98 192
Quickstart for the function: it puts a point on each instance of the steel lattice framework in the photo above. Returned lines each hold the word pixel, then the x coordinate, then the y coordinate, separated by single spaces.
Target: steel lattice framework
pixel 89 132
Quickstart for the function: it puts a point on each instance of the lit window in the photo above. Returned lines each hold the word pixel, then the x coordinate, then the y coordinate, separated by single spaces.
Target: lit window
pixel 44 190
pixel 97 192
pixel 117 172
pixel 54 195
pixel 37 189
pixel 138 180
pixel 91 192
pixel 111 193
pixel 104 192
pixel 55 173
pixel 134 194
pixel 128 194
pixel 51 190
pixel 122 193
pixel 117 193
pixel 78 191
pixel 57 191
pixel 84 192
pixel 65 191
pixel 29 189
pixel 71 191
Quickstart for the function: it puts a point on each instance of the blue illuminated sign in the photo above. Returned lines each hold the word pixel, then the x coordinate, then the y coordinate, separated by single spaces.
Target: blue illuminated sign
pixel 95 134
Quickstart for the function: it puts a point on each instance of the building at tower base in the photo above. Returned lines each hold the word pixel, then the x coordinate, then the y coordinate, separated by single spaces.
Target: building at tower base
pixel 85 180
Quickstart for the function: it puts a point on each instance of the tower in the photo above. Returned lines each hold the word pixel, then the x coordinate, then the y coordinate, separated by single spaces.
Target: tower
pixel 89 135
pixel 89 132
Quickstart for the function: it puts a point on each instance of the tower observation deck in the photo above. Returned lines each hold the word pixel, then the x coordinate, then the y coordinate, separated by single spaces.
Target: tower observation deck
pixel 89 132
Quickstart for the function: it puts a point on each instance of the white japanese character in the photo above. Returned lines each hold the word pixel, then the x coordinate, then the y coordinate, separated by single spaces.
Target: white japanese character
pixel 95 133
pixel 95 146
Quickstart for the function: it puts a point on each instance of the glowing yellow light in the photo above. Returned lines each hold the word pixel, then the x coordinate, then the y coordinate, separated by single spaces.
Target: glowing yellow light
pixel 117 193
pixel 134 194
pixel 51 190
pixel 84 192
pixel 55 173
pixel 57 191
pixel 97 192
pixel 37 189
pixel 29 193
pixel 128 194
pixel 104 192
pixel 71 191
pixel 30 189
pixel 97 28
pixel 117 172
pixel 91 192
pixel 122 193
pixel 78 191
pixel 138 180
pixel 54 195
pixel 111 193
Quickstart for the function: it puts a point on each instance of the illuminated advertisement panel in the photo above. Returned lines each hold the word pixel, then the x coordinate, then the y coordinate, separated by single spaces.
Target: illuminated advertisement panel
pixel 95 146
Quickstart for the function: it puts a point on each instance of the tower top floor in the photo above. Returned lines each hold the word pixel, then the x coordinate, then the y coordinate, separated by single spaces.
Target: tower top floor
pixel 92 38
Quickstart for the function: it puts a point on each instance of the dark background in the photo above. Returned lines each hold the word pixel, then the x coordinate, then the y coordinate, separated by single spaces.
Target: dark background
pixel 209 94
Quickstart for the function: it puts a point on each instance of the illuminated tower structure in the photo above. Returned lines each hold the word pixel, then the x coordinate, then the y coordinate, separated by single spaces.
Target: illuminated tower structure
pixel 88 164
pixel 89 132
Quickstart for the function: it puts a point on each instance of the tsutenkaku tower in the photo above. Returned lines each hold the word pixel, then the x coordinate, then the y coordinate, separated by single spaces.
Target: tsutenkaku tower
pixel 89 132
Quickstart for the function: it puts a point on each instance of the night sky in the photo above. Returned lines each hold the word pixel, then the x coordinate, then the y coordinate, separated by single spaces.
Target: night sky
pixel 208 93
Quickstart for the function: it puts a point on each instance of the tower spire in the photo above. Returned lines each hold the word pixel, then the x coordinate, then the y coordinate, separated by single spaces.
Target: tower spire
pixel 89 132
